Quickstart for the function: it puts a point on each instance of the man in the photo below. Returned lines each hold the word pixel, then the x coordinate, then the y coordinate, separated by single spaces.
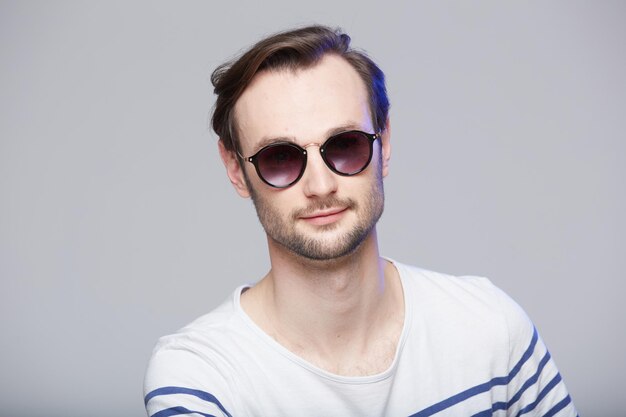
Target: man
pixel 333 329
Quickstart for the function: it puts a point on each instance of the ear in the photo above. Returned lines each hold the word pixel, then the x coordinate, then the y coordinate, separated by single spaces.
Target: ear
pixel 385 141
pixel 233 169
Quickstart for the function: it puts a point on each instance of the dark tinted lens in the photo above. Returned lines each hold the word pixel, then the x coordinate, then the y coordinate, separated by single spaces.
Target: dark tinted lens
pixel 348 153
pixel 280 164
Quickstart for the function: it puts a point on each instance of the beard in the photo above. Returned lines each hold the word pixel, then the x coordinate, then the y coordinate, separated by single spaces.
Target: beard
pixel 321 248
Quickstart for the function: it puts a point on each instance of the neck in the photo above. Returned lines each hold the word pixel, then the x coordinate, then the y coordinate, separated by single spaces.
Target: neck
pixel 333 308
pixel 328 294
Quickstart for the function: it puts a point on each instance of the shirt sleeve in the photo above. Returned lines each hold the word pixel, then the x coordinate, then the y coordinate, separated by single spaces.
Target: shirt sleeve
pixel 534 384
pixel 180 381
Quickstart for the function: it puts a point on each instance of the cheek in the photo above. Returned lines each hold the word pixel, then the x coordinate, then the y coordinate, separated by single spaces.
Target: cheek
pixel 273 203
pixel 284 203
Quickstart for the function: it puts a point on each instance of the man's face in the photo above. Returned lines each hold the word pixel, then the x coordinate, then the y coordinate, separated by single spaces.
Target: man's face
pixel 324 215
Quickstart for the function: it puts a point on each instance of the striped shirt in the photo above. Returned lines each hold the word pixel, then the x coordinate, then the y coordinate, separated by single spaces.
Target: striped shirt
pixel 466 349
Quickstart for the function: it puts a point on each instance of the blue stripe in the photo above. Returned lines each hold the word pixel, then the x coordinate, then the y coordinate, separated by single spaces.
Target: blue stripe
pixel 530 382
pixel 478 389
pixel 176 411
pixel 181 390
pixel 553 383
pixel 494 407
pixel 561 405
pixel 486 413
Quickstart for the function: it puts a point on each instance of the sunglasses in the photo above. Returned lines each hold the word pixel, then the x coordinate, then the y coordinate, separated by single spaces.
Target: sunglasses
pixel 282 164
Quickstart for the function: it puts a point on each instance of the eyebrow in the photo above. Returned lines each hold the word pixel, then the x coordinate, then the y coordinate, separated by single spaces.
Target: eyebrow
pixel 265 141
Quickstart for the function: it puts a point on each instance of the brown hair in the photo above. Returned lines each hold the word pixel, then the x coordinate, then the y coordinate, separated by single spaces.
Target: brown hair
pixel 294 49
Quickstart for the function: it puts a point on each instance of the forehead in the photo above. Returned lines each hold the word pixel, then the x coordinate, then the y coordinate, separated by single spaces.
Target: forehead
pixel 302 105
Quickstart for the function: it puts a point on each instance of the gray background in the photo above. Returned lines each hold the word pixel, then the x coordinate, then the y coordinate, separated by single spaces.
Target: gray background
pixel 118 225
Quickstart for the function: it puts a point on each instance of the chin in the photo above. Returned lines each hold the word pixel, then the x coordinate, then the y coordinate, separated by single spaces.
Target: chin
pixel 328 248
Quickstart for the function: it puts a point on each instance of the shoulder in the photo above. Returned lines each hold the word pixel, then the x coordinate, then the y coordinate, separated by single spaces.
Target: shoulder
pixel 202 334
pixel 459 288
pixel 189 368
pixel 436 287
pixel 494 331
pixel 462 301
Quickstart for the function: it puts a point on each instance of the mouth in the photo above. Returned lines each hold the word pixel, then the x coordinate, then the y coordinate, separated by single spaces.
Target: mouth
pixel 326 216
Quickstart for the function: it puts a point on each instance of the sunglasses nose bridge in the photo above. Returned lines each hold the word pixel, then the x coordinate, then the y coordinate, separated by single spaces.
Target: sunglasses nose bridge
pixel 308 145
pixel 318 179
pixel 321 148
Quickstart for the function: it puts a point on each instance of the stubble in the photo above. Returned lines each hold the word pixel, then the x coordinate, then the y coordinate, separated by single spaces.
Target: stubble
pixel 316 246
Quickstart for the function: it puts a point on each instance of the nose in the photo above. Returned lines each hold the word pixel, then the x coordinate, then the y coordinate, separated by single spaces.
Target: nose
pixel 318 180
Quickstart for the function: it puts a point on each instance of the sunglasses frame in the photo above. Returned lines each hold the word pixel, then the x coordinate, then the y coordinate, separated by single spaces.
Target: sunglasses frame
pixel 302 149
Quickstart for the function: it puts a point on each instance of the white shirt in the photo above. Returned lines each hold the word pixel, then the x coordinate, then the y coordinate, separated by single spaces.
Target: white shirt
pixel 466 349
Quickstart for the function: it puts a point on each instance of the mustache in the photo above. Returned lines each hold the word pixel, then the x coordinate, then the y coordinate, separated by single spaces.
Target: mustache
pixel 324 204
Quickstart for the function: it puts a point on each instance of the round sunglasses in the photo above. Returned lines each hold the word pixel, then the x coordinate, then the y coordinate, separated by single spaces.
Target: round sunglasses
pixel 282 164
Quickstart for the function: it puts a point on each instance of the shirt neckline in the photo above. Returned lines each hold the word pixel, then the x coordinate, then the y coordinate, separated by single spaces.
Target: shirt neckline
pixel 277 347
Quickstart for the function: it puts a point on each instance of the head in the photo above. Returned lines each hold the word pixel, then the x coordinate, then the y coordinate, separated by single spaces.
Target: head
pixel 302 87
pixel 295 49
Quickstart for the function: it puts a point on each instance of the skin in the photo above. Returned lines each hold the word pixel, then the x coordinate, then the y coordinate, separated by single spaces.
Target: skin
pixel 328 297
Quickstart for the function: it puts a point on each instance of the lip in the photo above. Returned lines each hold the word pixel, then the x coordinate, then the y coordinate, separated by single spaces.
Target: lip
pixel 325 216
